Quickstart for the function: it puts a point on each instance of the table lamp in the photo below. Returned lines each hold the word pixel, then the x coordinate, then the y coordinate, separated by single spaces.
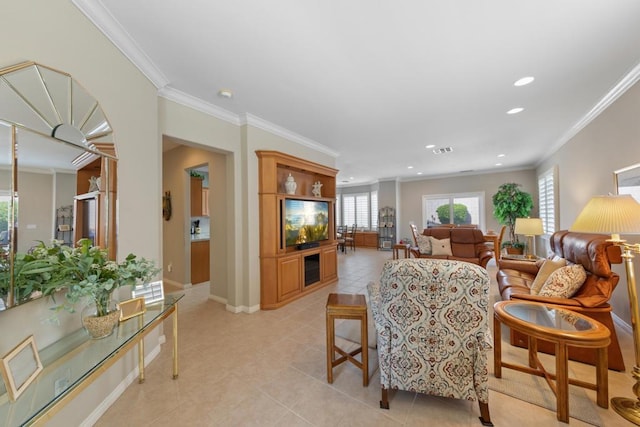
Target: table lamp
pixel 529 227
pixel 617 215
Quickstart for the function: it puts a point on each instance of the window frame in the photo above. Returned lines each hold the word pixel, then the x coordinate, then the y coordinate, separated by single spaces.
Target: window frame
pixel 370 214
pixel 480 195
pixel 548 215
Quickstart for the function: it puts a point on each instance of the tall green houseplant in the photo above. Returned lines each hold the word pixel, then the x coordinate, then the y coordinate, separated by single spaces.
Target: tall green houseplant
pixel 509 203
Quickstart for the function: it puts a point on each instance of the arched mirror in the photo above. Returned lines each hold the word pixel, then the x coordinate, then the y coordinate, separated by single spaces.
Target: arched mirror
pixel 57 170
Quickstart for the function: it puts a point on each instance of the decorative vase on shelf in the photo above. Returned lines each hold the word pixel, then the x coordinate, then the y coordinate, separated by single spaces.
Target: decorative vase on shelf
pixel 317 186
pixel 290 185
pixel 100 326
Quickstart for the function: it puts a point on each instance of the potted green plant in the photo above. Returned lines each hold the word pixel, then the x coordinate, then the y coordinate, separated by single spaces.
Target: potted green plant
pixel 509 203
pixel 85 272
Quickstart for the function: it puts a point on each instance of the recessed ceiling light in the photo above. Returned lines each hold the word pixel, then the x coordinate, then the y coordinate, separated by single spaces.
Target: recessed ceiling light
pixel 225 93
pixel 409 167
pixel 515 110
pixel 351 178
pixel 419 173
pixel 430 146
pixel 524 81
pixel 501 155
pixel 498 164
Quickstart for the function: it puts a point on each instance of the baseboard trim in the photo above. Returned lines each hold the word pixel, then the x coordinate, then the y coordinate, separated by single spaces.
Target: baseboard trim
pixel 95 415
pixel 243 309
pixel 622 324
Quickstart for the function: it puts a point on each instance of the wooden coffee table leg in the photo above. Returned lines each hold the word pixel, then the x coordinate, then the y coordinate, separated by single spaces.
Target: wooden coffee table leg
pixel 330 345
pixel 497 348
pixel 602 372
pixel 562 382
pixel 533 352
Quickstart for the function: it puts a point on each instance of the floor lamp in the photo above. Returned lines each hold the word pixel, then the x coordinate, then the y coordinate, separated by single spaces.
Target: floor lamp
pixel 529 227
pixel 617 215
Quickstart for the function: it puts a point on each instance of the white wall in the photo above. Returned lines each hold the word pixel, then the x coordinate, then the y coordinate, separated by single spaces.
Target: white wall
pixel 586 164
pixel 411 193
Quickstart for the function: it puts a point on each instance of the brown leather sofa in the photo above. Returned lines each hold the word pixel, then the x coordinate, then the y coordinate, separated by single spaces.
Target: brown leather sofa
pixel 467 244
pixel 596 256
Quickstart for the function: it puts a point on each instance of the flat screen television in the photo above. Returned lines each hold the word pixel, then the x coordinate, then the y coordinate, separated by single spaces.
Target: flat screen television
pixel 305 221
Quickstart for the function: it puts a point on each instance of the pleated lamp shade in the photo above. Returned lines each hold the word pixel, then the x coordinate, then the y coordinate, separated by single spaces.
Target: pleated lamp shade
pixel 529 226
pixel 612 214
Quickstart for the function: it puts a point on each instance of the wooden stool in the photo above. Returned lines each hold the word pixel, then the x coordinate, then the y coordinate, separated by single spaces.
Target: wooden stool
pixel 346 306
pixel 397 247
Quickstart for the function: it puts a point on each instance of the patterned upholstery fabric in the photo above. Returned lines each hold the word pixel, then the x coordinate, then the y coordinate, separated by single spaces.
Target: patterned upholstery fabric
pixel 432 325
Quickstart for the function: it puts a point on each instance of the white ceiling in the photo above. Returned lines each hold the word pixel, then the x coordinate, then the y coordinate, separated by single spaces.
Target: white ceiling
pixel 373 82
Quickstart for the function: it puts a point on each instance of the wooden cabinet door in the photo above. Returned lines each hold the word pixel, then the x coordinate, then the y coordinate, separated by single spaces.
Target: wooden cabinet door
pixel 289 277
pixel 196 196
pixel 199 261
pixel 329 263
pixel 371 240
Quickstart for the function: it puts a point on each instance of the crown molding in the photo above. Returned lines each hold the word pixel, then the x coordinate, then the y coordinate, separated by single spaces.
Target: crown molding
pixel 609 98
pixel 95 11
pixel 199 105
pixel 257 122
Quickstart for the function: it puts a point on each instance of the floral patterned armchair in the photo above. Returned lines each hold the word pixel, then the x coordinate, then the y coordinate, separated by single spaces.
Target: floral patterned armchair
pixel 433 331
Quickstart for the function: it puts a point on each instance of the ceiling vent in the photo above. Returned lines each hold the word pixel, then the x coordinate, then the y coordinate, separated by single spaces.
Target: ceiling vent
pixel 442 150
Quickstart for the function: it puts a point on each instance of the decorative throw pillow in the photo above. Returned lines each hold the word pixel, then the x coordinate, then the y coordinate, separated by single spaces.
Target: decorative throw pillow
pixel 564 282
pixel 424 244
pixel 548 266
pixel 440 247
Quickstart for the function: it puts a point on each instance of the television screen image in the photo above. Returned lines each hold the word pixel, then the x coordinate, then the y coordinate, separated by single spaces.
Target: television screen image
pixel 305 221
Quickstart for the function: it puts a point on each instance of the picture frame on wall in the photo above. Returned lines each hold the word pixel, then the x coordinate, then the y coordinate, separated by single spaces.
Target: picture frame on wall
pixel 20 367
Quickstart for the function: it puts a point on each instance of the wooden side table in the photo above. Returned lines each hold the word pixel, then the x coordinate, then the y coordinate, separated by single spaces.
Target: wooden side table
pixel 401 246
pixel 562 327
pixel 347 306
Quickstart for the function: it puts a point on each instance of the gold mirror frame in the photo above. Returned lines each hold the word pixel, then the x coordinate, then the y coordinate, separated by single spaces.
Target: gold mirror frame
pixel 49 124
pixel 627 181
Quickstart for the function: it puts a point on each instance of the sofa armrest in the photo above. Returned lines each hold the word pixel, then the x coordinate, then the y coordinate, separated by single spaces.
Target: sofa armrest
pixel 570 302
pixel 484 256
pixel 524 266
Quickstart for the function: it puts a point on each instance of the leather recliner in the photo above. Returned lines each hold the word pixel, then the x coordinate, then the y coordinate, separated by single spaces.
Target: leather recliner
pixel 596 255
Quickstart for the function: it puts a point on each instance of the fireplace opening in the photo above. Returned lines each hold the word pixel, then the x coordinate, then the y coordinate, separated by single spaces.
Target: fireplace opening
pixel 311 269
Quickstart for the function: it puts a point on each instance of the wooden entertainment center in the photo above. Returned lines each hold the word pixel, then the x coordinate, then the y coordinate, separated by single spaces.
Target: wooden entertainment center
pixel 288 272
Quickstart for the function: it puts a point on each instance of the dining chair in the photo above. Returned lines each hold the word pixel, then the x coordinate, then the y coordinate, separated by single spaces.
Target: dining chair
pixel 350 237
pixel 341 234
pixel 497 251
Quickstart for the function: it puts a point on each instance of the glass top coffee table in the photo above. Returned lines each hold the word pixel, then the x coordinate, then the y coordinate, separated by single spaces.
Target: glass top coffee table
pixel 563 328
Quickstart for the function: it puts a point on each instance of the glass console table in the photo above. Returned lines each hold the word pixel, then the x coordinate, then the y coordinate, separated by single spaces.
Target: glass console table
pixel 74 362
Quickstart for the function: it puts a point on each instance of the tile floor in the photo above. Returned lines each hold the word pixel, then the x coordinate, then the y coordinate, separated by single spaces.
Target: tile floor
pixel 268 369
